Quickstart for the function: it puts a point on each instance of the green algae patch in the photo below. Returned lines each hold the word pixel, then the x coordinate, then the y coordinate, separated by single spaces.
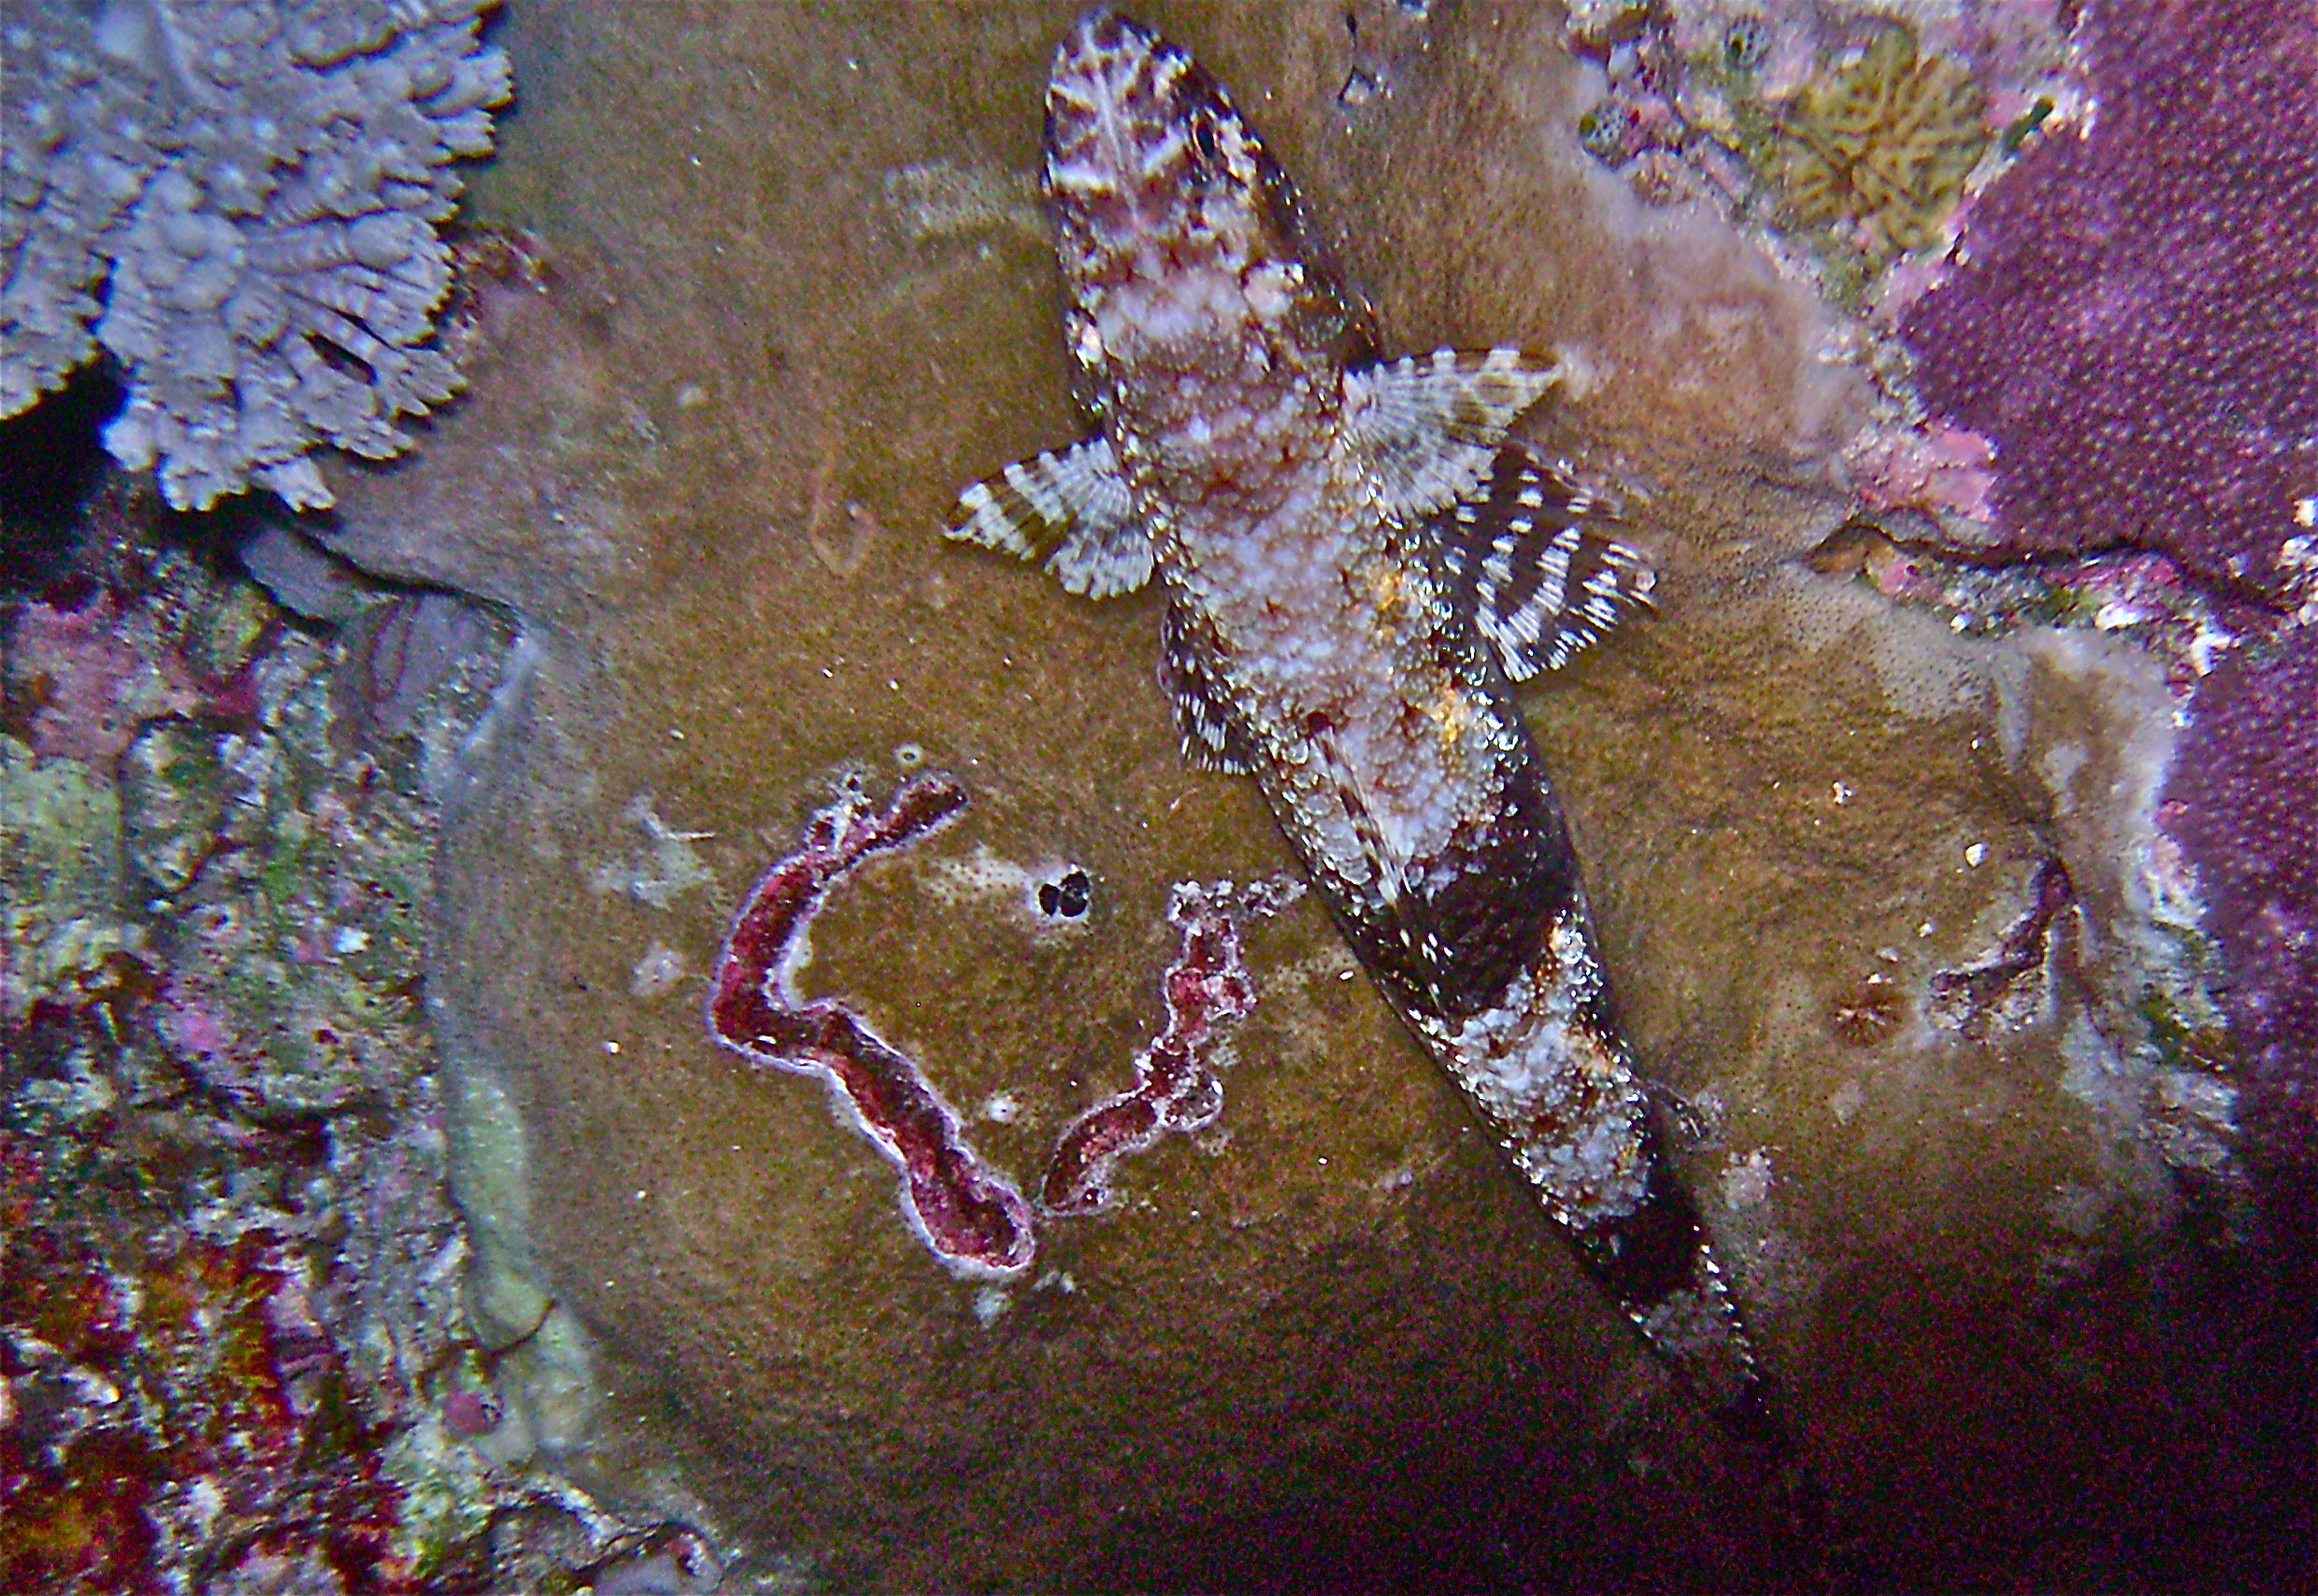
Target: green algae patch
pixel 173 799
pixel 59 823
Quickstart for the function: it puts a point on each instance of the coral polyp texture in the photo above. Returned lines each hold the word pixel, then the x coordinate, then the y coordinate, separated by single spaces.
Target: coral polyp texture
pixel 1176 1087
pixel 969 1215
pixel 1851 131
pixel 2239 801
pixel 1885 141
pixel 2137 300
pixel 239 199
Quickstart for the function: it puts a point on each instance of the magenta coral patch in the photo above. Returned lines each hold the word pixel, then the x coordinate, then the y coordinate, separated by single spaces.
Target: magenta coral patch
pixel 1176 1086
pixel 2240 798
pixel 974 1220
pixel 2133 320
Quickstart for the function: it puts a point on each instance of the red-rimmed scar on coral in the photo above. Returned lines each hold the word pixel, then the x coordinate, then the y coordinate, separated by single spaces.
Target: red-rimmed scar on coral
pixel 1176 1085
pixel 969 1214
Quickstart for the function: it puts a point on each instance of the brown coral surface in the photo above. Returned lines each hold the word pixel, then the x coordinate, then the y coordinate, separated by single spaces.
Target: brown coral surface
pixel 1327 1340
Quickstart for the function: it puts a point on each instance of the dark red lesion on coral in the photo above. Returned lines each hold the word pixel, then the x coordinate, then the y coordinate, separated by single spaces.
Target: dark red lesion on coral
pixel 967 1212
pixel 1176 1087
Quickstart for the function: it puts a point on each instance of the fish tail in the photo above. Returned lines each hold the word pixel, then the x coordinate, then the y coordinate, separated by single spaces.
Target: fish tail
pixel 1656 1260
pixel 1659 1264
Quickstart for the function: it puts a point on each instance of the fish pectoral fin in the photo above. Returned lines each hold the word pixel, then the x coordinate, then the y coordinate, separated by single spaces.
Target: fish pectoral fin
pixel 1537 559
pixel 1429 426
pixel 1070 510
pixel 1212 739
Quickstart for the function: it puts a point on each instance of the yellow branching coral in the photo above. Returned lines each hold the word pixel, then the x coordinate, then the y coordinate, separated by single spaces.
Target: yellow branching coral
pixel 1885 141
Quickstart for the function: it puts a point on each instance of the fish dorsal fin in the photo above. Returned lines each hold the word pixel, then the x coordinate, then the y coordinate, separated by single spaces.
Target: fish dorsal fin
pixel 1070 510
pixel 1429 426
pixel 1187 674
pixel 1534 557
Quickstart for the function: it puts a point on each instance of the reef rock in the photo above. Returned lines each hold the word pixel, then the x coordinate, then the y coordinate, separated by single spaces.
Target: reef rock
pixel 1882 905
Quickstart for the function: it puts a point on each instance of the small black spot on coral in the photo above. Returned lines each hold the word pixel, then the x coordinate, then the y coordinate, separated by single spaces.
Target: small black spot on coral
pixel 1068 896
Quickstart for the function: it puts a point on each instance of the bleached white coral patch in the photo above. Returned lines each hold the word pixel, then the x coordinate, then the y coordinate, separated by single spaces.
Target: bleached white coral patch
pixel 252 190
pixel 1746 1181
pixel 660 969
pixel 666 866
pixel 1045 899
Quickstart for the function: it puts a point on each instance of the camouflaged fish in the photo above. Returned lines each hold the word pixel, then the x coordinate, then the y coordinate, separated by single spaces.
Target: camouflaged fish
pixel 1357 566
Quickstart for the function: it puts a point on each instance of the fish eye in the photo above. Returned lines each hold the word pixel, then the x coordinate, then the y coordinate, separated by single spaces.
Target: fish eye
pixel 1203 139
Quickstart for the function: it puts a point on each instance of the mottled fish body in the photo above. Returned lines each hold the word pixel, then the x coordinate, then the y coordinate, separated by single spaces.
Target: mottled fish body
pixel 1357 565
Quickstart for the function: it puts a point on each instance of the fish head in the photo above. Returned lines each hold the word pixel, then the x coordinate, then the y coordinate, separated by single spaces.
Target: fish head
pixel 1149 166
pixel 1174 226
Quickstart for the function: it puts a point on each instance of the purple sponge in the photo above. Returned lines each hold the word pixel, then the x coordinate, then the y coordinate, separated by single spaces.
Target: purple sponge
pixel 2134 317
pixel 2242 800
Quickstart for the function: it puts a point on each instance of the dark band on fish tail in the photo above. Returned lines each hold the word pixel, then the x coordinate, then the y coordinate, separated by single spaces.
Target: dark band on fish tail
pixel 1655 1260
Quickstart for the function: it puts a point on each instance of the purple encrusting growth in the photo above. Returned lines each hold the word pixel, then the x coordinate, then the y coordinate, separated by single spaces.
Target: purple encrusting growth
pixel 1176 1086
pixel 2133 320
pixel 2131 326
pixel 974 1220
pixel 2241 801
pixel 2012 982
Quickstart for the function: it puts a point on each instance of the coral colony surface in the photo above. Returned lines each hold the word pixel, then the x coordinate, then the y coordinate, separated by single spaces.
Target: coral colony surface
pixel 2241 801
pixel 2097 352
pixel 2128 319
pixel 376 1211
pixel 2129 328
pixel 968 1214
